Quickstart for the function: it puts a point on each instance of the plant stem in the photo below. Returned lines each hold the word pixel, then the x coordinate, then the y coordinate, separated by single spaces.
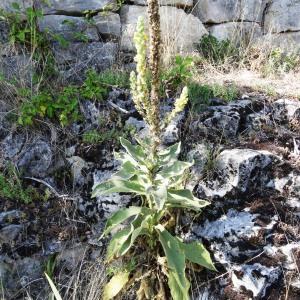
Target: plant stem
pixel 154 61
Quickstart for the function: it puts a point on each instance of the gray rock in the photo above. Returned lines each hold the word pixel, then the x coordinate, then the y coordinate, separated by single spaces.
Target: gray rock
pixel 282 16
pixel 74 29
pixel 287 41
pixel 286 109
pixel 221 11
pixel 12 145
pixel 176 36
pixel 10 233
pixel 138 125
pixel 70 258
pixel 255 278
pixel 28 269
pixel 177 3
pixel 4 32
pixel 235 171
pixel 236 32
pixel 75 7
pixel 7 5
pixel 79 57
pixel 5 125
pixel 6 273
pixel 18 67
pixel 224 121
pixel 90 112
pixel 36 159
pixel 108 25
pixel 7 216
pixel 77 167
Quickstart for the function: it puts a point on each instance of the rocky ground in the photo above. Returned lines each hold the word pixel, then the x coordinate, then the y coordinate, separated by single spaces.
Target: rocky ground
pixel 247 159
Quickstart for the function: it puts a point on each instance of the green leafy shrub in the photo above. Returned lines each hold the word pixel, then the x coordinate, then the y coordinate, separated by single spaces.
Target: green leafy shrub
pixel 11 187
pixel 97 85
pixel 145 233
pixel 216 51
pixel 200 94
pixel 63 107
pixel 278 61
pixel 177 75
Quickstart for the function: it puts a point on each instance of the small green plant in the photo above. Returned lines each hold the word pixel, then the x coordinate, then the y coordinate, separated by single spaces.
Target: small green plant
pixel 177 75
pixel 97 85
pixel 280 62
pixel 11 187
pixel 200 94
pixel 63 106
pixel 105 134
pixel 154 175
pixel 216 51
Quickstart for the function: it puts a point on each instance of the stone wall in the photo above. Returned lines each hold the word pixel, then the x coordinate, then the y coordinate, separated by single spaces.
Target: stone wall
pixel 110 29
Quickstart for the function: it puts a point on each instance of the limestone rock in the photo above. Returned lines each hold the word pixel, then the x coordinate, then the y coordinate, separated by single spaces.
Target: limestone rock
pixel 7 5
pixel 221 11
pixel 236 31
pixel 36 159
pixel 75 7
pixel 79 57
pixel 18 67
pixel 235 171
pixel 288 41
pixel 177 3
pixel 74 29
pixel 176 36
pixel 10 233
pixel 108 25
pixel 28 269
pixel 282 16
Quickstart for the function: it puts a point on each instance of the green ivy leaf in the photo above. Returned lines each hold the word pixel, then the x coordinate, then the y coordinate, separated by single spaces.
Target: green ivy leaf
pixel 178 283
pixel 115 285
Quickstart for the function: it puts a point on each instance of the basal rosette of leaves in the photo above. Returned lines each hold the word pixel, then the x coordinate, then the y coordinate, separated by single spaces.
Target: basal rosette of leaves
pixel 157 180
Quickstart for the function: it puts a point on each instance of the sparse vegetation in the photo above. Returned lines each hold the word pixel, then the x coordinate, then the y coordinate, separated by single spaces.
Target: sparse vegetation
pixel 11 187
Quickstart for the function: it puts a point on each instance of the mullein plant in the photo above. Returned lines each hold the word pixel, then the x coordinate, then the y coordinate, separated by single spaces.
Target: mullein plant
pixel 142 236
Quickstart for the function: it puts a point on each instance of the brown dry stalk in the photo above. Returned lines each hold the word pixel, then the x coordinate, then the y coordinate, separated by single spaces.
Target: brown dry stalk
pixel 154 61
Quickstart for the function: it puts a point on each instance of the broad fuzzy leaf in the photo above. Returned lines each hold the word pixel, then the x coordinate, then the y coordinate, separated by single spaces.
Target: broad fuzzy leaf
pixel 115 285
pixel 122 215
pixel 126 171
pixel 170 154
pixel 196 253
pixel 159 195
pixel 117 242
pixel 185 199
pixel 118 186
pixel 178 282
pixel 135 151
pixel 175 169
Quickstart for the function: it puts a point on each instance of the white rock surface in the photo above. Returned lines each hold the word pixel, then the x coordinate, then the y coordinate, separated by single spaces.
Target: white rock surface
pixel 75 7
pixel 179 30
pixel 235 170
pixel 220 11
pixel 236 31
pixel 282 16
pixel 177 3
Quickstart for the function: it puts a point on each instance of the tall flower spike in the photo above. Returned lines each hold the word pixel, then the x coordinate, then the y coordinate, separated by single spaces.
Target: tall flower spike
pixel 138 81
pixel 179 106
